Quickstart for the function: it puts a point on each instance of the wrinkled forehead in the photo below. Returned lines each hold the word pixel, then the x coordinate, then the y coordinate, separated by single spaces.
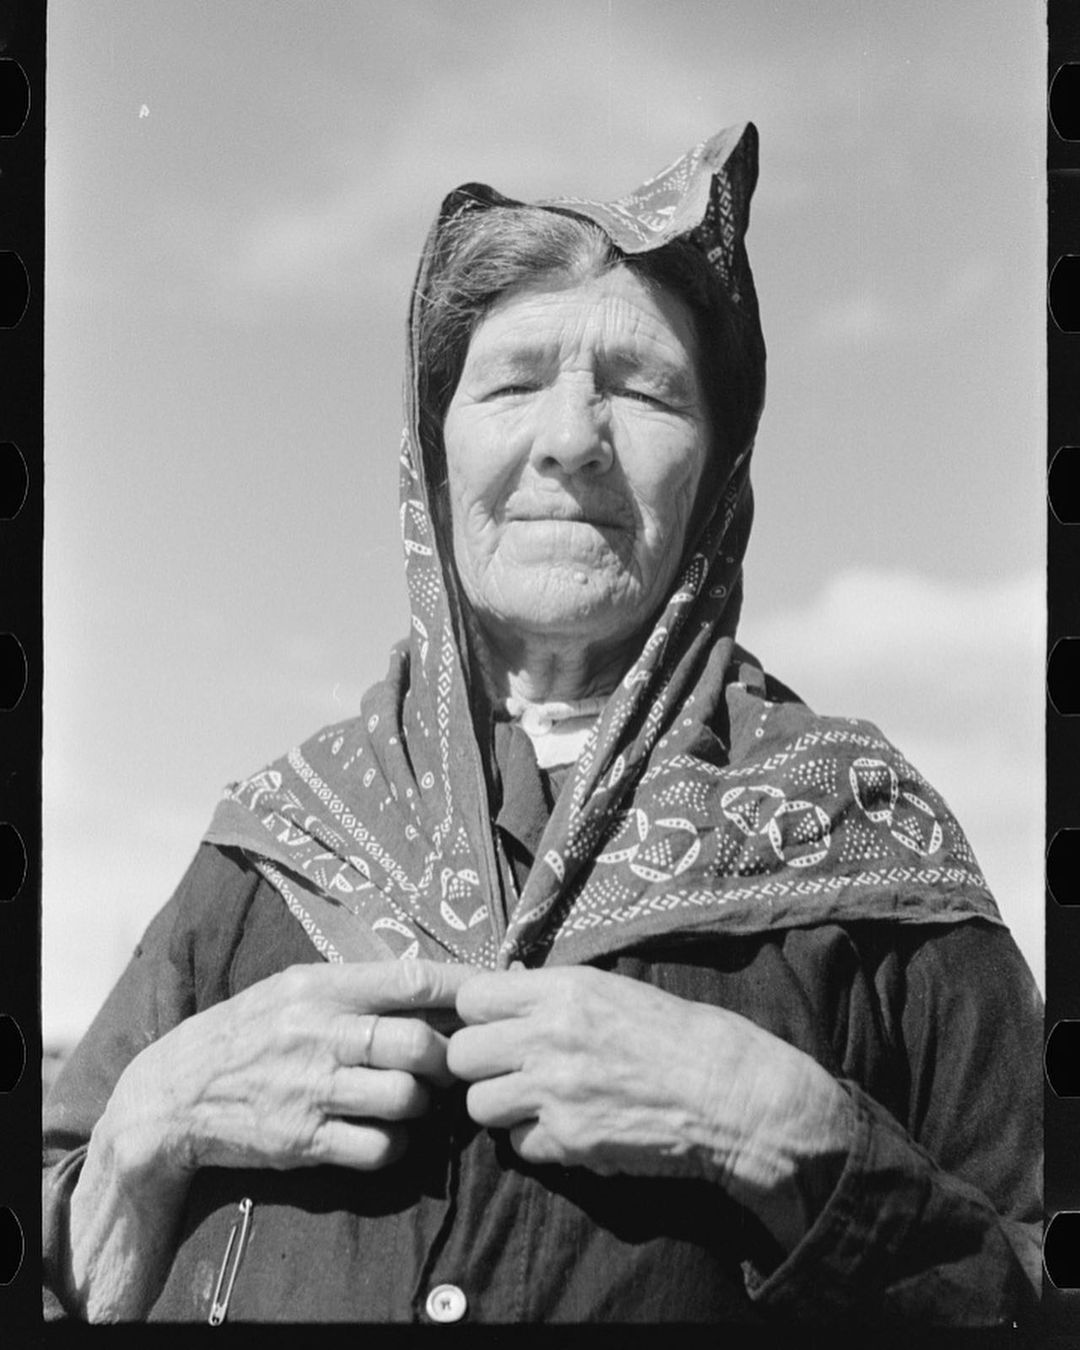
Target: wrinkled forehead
pixel 617 317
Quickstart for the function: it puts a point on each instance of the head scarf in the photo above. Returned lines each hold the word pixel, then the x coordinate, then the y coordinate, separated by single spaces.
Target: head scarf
pixel 377 832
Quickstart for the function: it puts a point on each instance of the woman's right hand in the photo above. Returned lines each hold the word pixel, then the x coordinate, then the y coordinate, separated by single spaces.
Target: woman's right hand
pixel 314 1065
pixel 319 1064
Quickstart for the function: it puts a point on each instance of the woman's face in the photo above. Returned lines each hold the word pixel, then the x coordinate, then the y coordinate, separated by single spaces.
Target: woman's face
pixel 575 442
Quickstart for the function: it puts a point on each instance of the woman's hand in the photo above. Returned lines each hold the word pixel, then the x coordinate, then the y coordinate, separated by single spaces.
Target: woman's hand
pixel 313 1065
pixel 319 1064
pixel 591 1069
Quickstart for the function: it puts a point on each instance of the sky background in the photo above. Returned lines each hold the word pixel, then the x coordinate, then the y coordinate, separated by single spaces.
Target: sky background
pixel 237 193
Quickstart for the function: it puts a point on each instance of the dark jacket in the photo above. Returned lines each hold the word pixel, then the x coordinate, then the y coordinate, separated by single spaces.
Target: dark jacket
pixel 934 1031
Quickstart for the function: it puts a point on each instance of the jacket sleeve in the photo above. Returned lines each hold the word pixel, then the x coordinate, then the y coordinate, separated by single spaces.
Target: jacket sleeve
pixel 155 992
pixel 937 1219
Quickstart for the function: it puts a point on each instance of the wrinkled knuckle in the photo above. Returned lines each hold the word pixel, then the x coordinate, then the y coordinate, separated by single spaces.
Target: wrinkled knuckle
pixel 415 981
pixel 316 1150
pixel 339 1037
pixel 562 1080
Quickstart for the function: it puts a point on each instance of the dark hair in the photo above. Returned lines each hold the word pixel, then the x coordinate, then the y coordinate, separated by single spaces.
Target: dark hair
pixel 484 253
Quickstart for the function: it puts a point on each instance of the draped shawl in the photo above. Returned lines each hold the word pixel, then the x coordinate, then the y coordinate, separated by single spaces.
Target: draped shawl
pixel 377 832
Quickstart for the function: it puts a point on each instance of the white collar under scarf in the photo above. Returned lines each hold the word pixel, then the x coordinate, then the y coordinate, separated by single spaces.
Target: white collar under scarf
pixel 558 730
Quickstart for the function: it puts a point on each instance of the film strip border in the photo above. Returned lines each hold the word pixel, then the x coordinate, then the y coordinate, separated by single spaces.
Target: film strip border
pixel 22 267
pixel 1061 1243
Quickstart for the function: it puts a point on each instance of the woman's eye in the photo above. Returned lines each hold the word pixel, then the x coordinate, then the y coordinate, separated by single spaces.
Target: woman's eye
pixel 509 390
pixel 640 396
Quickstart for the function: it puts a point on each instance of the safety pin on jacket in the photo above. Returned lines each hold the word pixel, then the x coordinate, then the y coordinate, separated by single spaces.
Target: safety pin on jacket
pixel 219 1305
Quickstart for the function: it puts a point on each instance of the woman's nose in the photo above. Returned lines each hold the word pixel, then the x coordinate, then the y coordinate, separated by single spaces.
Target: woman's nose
pixel 572 432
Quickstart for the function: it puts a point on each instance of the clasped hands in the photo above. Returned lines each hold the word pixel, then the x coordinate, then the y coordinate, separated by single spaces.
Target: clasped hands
pixel 328 1063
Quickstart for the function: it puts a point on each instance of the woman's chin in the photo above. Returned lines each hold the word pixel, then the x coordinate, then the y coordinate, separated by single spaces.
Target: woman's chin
pixel 571 604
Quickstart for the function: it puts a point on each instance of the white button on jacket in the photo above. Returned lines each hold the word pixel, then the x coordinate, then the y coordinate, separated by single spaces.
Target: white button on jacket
pixel 446 1303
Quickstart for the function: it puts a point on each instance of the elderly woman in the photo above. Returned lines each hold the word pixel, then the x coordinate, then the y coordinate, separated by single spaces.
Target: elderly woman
pixel 587 974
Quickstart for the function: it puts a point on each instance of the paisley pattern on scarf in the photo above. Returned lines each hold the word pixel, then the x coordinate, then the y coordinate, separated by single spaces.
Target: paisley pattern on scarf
pixel 377 832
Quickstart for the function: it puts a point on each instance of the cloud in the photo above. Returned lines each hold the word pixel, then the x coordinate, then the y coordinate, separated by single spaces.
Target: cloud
pixel 867 617
pixel 955 665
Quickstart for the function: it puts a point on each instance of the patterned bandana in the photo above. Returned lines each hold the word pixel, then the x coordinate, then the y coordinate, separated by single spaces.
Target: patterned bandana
pixel 377 832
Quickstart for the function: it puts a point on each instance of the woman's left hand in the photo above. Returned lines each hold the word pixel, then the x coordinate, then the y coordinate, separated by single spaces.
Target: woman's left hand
pixel 591 1069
